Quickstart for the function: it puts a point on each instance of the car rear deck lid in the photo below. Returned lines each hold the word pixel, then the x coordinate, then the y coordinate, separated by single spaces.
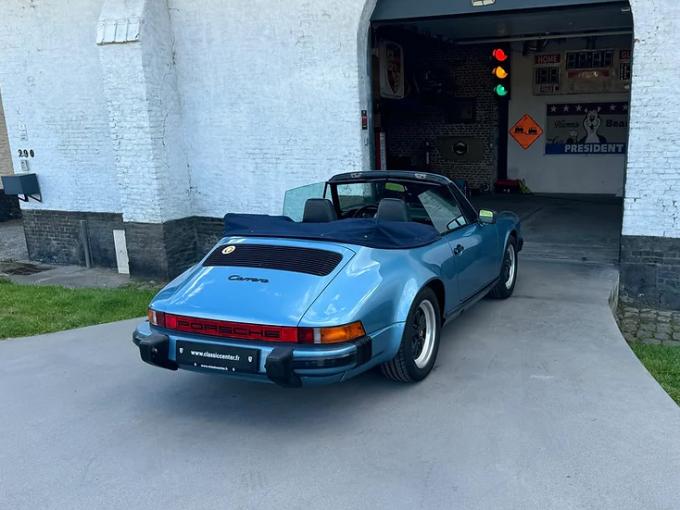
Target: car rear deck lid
pixel 284 258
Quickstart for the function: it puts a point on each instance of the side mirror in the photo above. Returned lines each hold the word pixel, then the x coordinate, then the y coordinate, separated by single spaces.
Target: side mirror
pixel 487 217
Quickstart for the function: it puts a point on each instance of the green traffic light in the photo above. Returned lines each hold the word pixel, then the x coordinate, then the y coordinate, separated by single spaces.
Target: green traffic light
pixel 501 91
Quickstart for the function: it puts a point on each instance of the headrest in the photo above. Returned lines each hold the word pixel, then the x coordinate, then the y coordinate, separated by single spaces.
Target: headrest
pixel 392 209
pixel 319 210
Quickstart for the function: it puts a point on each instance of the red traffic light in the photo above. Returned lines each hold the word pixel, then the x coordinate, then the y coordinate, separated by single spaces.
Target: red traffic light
pixel 500 55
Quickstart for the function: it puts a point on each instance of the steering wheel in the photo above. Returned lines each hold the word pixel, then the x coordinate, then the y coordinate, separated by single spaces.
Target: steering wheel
pixel 367 211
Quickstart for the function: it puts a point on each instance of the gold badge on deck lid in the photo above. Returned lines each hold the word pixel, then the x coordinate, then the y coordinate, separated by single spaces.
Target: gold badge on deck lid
pixel 229 249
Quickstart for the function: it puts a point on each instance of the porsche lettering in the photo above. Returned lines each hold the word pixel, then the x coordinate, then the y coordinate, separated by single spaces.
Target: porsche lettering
pixel 225 330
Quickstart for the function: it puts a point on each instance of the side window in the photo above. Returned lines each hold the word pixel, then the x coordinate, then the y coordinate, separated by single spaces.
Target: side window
pixel 294 200
pixel 467 207
pixel 443 210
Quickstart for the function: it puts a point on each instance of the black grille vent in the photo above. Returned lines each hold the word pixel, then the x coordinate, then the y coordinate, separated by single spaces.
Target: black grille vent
pixel 284 258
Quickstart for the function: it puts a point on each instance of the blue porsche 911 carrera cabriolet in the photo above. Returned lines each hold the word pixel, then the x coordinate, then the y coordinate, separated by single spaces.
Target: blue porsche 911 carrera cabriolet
pixel 363 272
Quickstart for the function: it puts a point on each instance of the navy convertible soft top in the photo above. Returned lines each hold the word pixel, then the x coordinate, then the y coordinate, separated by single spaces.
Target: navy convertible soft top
pixel 372 233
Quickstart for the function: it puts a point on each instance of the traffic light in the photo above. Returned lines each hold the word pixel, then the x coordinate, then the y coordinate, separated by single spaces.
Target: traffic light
pixel 500 61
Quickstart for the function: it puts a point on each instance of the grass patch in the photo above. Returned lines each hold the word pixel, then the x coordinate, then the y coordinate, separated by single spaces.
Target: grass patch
pixel 27 310
pixel 663 362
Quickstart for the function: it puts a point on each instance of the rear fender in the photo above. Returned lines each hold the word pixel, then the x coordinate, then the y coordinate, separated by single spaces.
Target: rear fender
pixel 508 222
pixel 376 287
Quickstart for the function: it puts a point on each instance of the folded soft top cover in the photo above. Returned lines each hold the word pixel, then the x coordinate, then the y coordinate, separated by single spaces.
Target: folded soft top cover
pixel 390 235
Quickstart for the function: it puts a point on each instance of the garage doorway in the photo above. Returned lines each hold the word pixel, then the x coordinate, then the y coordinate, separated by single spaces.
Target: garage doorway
pixel 549 140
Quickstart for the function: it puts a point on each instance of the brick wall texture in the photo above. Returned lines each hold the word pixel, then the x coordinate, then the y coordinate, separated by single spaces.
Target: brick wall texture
pixel 51 85
pixel 652 197
pixel 271 97
pixel 140 87
pixel 54 236
pixel 465 73
pixel 650 271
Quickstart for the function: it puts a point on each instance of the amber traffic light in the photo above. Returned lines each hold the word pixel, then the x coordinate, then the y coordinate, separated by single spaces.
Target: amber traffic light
pixel 500 73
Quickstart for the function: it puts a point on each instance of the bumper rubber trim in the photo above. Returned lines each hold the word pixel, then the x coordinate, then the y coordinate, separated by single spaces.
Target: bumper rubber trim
pixel 154 350
pixel 364 350
pixel 346 360
pixel 280 365
pixel 279 368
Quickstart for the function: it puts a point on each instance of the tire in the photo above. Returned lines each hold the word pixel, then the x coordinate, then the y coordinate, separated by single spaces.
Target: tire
pixel 509 268
pixel 420 341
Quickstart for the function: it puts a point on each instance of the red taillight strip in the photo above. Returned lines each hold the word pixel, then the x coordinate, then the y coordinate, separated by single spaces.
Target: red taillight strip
pixel 237 330
pixel 266 333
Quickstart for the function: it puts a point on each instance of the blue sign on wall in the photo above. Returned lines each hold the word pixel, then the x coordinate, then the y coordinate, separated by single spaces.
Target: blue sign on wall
pixel 587 128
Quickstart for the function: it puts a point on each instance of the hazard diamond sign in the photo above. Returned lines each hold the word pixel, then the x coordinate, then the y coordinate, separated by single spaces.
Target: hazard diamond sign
pixel 526 132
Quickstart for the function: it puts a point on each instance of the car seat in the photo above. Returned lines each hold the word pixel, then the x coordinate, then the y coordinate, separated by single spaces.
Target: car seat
pixel 392 209
pixel 319 210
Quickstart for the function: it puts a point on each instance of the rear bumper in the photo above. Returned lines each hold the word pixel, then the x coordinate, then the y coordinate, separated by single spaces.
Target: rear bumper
pixel 286 365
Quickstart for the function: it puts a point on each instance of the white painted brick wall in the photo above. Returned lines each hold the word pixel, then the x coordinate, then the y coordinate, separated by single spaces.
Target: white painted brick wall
pixel 271 97
pixel 652 204
pixel 51 87
pixel 144 109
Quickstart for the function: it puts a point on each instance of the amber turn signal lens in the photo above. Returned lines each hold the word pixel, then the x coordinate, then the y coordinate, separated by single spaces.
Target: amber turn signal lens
pixel 333 335
pixel 340 334
pixel 155 318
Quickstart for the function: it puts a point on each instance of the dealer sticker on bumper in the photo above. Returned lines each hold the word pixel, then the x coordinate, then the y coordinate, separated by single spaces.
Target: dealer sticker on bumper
pixel 222 358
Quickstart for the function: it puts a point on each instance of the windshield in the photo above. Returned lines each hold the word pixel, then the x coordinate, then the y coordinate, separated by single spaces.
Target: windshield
pixel 430 204
pixel 426 203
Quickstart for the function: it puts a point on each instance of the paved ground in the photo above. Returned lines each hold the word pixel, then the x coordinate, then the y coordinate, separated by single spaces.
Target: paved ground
pixel 65 276
pixel 12 241
pixel 535 403
pixel 584 229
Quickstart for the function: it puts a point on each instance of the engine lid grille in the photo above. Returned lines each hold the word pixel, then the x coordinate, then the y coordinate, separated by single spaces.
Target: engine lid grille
pixel 284 258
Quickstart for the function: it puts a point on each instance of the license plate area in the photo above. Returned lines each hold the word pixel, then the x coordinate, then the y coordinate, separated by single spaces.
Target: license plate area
pixel 220 358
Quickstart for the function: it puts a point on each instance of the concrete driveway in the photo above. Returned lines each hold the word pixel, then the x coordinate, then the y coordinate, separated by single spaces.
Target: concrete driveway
pixel 571 228
pixel 535 403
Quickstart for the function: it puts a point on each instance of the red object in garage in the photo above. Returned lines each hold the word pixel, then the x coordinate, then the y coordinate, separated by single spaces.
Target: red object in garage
pixel 508 186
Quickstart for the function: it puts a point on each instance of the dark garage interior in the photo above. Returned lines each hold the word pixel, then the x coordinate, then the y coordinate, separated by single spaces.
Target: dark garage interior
pixel 550 146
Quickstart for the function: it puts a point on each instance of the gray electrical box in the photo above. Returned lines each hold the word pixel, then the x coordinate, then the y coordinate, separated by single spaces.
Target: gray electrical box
pixel 21 185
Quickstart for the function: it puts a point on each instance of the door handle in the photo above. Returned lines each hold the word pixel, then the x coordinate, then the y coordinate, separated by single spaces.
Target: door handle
pixel 458 249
